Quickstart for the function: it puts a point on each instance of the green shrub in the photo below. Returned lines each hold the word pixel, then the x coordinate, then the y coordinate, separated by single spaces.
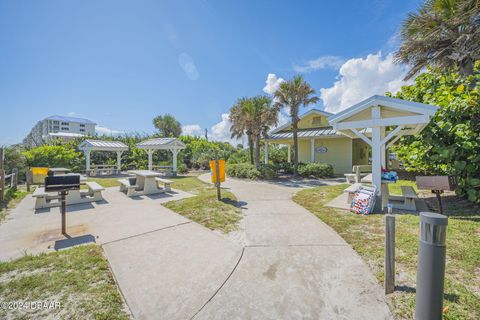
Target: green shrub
pixel 450 144
pixel 182 168
pixel 244 171
pixel 268 171
pixel 317 170
pixel 54 156
pixel 284 167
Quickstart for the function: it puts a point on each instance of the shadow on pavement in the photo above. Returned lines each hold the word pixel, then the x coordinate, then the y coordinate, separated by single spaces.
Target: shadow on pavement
pixel 73 241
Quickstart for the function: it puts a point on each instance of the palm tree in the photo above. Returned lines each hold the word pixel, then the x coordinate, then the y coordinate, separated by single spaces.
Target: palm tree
pixel 443 33
pixel 168 126
pixel 253 117
pixel 242 124
pixel 292 94
pixel 266 117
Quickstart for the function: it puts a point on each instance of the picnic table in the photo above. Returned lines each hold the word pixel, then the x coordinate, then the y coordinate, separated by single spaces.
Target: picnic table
pixel 145 182
pixel 57 171
pixel 46 199
pixel 404 202
pixel 384 188
pixel 167 170
pixel 104 169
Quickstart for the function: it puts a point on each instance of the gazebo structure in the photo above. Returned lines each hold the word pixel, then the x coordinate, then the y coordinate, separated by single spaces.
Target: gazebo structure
pixel 380 121
pixel 88 146
pixel 172 144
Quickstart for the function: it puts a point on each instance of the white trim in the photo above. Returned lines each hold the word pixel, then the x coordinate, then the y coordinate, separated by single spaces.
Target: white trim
pixel 377 100
pixel 383 122
pixel 361 136
pixel 391 134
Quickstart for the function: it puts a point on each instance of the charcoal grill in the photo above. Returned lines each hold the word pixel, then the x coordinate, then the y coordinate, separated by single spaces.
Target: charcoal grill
pixel 438 184
pixel 62 184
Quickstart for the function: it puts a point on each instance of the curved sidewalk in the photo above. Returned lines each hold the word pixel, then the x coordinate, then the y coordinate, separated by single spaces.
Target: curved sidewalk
pixel 293 265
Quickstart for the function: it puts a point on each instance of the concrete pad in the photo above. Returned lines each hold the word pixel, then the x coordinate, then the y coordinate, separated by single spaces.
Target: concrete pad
pixel 172 273
pixel 117 217
pixel 327 282
pixel 260 207
pixel 339 202
pixel 289 229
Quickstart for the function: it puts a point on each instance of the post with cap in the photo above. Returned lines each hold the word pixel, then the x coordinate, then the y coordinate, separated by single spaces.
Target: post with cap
pixel 431 266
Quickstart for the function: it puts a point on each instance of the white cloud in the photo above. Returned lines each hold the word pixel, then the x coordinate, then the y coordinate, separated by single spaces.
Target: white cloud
pixel 188 66
pixel 282 119
pixel 361 78
pixel 192 130
pixel 221 132
pixel 103 131
pixel 332 62
pixel 71 114
pixel 272 83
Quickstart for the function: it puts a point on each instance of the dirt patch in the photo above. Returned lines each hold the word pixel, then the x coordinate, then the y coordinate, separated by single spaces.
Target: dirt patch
pixel 55 234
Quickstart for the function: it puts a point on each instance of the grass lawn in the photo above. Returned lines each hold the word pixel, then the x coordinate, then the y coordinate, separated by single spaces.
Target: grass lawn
pixel 78 278
pixel 366 236
pixel 12 197
pixel 105 182
pixel 205 208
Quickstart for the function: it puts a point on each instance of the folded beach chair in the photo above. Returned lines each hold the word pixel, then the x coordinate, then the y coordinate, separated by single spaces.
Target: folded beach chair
pixel 363 200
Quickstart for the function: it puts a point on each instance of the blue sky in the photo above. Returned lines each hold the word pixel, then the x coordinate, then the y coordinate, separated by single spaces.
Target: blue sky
pixel 121 63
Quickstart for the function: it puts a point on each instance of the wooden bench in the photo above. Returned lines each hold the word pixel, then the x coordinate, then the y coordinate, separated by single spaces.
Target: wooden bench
pixel 166 183
pixel 94 191
pixel 407 200
pixel 351 191
pixel 358 171
pixel 126 186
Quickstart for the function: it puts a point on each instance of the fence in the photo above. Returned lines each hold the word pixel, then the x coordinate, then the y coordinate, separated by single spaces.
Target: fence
pixel 13 177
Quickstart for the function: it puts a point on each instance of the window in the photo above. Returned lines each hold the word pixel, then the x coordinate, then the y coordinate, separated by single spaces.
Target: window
pixel 82 125
pixel 55 128
pixel 65 128
pixel 316 120
pixel 56 122
pixel 82 130
pixel 65 123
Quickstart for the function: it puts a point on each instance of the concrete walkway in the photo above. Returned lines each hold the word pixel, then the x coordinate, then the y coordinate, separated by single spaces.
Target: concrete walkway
pixel 27 231
pixel 293 265
pixel 288 264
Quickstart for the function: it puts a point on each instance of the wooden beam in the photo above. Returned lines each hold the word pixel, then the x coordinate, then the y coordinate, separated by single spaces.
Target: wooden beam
pixel 391 134
pixel 362 136
pixel 383 122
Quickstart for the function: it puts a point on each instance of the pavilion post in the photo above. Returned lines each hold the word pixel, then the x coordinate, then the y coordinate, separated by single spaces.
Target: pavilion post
pixel 175 153
pixel 119 161
pixel 383 148
pixel 266 152
pixel 289 157
pixel 377 157
pixel 87 160
pixel 150 159
pixel 312 150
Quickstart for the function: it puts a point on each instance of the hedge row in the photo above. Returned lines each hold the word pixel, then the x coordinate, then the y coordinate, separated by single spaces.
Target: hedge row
pixel 270 171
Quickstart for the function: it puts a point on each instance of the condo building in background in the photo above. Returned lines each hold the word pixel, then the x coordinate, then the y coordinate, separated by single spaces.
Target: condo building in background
pixel 58 127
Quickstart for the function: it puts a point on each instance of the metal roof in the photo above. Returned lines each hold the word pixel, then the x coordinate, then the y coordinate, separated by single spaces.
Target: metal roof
pixel 66 134
pixel 103 145
pixel 309 133
pixel 161 143
pixel 70 119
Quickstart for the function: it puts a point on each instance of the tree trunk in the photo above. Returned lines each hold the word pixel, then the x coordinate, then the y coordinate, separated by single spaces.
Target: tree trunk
pixel 257 151
pixel 295 147
pixel 250 146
